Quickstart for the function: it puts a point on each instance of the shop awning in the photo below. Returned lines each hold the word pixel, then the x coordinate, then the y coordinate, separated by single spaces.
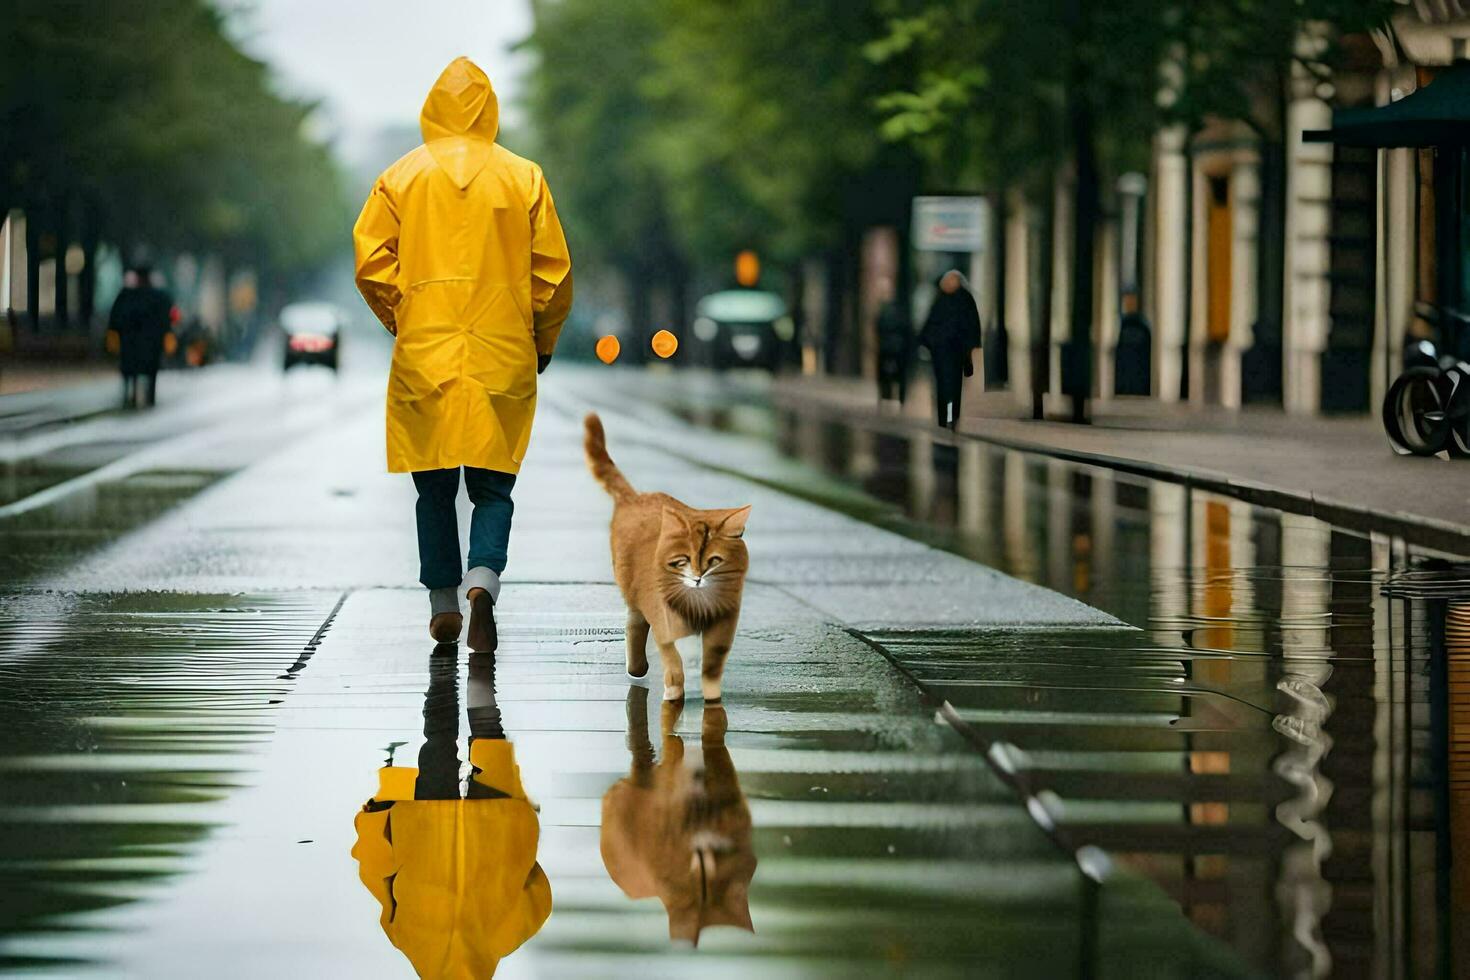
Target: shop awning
pixel 1436 115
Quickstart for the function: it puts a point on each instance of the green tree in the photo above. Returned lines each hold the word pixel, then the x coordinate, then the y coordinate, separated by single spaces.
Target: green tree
pixel 146 126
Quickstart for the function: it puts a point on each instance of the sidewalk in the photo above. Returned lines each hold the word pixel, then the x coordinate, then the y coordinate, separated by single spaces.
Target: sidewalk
pixel 22 376
pixel 1340 469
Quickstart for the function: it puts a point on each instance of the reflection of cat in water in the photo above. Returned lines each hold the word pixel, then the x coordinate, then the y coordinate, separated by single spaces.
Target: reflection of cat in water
pixel 452 862
pixel 679 830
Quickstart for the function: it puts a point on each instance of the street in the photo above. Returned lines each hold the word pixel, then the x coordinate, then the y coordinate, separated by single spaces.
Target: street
pixel 213 641
pixel 1047 422
pixel 186 753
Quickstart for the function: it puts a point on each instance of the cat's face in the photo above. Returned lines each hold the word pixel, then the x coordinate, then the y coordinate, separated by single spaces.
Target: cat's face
pixel 702 559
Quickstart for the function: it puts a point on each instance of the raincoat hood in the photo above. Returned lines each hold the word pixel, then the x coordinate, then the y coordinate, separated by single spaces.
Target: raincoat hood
pixel 460 120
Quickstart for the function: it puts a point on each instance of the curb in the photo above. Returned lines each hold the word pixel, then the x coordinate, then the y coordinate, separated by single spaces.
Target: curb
pixel 1427 532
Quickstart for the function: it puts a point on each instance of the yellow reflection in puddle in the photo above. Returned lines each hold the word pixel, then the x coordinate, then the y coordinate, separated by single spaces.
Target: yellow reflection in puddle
pixel 457 877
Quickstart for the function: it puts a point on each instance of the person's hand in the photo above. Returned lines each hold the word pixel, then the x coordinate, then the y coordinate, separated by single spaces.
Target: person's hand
pixel 541 361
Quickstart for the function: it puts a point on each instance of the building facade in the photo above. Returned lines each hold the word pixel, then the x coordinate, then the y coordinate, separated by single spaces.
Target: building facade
pixel 1242 270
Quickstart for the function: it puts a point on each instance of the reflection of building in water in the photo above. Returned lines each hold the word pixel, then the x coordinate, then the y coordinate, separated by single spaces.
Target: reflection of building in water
pixel 680 829
pixel 1457 768
pixel 453 862
pixel 1427 784
pixel 1265 749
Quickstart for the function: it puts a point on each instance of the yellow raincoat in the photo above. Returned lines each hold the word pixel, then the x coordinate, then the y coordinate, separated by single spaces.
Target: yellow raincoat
pixel 457 879
pixel 461 256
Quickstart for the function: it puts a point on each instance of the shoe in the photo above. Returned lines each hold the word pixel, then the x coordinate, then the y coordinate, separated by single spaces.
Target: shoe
pixel 444 627
pixel 483 637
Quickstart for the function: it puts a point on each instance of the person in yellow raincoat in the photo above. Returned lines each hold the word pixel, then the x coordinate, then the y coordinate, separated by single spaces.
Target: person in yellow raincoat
pixel 457 878
pixel 461 256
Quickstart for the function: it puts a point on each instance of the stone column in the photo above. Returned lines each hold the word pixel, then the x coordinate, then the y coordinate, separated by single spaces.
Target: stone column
pixel 1308 251
pixel 1105 307
pixel 1245 204
pixel 1061 274
pixel 1018 274
pixel 1170 253
pixel 1397 240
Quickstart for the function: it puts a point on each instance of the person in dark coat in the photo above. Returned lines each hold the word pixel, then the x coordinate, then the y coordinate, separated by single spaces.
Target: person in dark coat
pixel 141 317
pixel 951 333
pixel 895 343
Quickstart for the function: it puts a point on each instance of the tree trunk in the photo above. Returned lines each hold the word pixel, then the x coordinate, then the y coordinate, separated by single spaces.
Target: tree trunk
pixel 1188 268
pixel 1261 374
pixel 33 266
pixel 87 291
pixel 997 345
pixel 1077 362
pixel 1041 332
pixel 63 226
pixel 832 328
pixel 640 306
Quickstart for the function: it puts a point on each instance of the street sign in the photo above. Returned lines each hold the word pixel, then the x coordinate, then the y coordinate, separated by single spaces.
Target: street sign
pixel 950 224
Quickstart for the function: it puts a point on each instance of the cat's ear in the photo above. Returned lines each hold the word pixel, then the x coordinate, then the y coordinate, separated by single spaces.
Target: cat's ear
pixel 673 522
pixel 733 526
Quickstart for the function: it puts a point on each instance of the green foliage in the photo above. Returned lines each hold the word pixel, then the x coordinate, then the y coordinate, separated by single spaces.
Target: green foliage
pixel 595 128
pixel 688 128
pixel 147 117
pixel 990 82
pixel 1232 58
pixel 769 119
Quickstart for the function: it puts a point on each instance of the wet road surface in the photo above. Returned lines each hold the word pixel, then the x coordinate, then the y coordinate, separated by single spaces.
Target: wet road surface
pixel 922 767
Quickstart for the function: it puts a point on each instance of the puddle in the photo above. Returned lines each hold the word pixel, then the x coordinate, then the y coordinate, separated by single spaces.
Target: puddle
pixel 1276 746
pixel 115 776
pixel 50 538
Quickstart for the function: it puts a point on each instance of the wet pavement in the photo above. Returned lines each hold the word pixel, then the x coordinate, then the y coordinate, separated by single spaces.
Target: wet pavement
pixel 988 715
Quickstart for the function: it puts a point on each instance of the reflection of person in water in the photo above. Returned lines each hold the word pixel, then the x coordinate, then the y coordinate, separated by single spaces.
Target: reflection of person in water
pixel 679 830
pixel 455 873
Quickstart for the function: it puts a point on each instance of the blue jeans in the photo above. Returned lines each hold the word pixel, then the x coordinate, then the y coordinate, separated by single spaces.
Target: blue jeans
pixel 489 490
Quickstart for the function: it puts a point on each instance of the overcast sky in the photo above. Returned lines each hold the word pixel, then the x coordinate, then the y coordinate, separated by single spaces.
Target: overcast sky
pixel 372 61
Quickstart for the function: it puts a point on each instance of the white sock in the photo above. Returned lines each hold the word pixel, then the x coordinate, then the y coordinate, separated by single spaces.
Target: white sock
pixel 481 577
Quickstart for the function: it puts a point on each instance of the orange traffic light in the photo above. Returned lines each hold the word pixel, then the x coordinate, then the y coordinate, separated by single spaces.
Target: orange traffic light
pixel 747 268
pixel 608 349
pixel 665 343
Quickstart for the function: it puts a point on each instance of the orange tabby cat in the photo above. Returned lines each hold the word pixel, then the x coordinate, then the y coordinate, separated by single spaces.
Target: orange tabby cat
pixel 681 572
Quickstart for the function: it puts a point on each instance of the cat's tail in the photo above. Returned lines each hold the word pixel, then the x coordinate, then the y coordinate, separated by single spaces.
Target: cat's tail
pixel 601 464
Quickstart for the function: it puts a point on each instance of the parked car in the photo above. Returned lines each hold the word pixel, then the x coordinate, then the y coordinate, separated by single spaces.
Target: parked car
pixel 313 334
pixel 743 328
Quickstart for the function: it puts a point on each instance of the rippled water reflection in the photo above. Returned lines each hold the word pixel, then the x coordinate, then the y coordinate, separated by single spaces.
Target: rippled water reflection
pixel 129 722
pixel 1276 745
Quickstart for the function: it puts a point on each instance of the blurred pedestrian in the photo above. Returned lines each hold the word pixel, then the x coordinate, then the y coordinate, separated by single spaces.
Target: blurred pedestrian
pixel 139 325
pixel 895 344
pixel 951 333
pixel 461 256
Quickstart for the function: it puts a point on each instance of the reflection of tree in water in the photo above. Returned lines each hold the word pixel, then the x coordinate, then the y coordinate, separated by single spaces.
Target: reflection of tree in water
pixel 680 830
pixel 453 862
